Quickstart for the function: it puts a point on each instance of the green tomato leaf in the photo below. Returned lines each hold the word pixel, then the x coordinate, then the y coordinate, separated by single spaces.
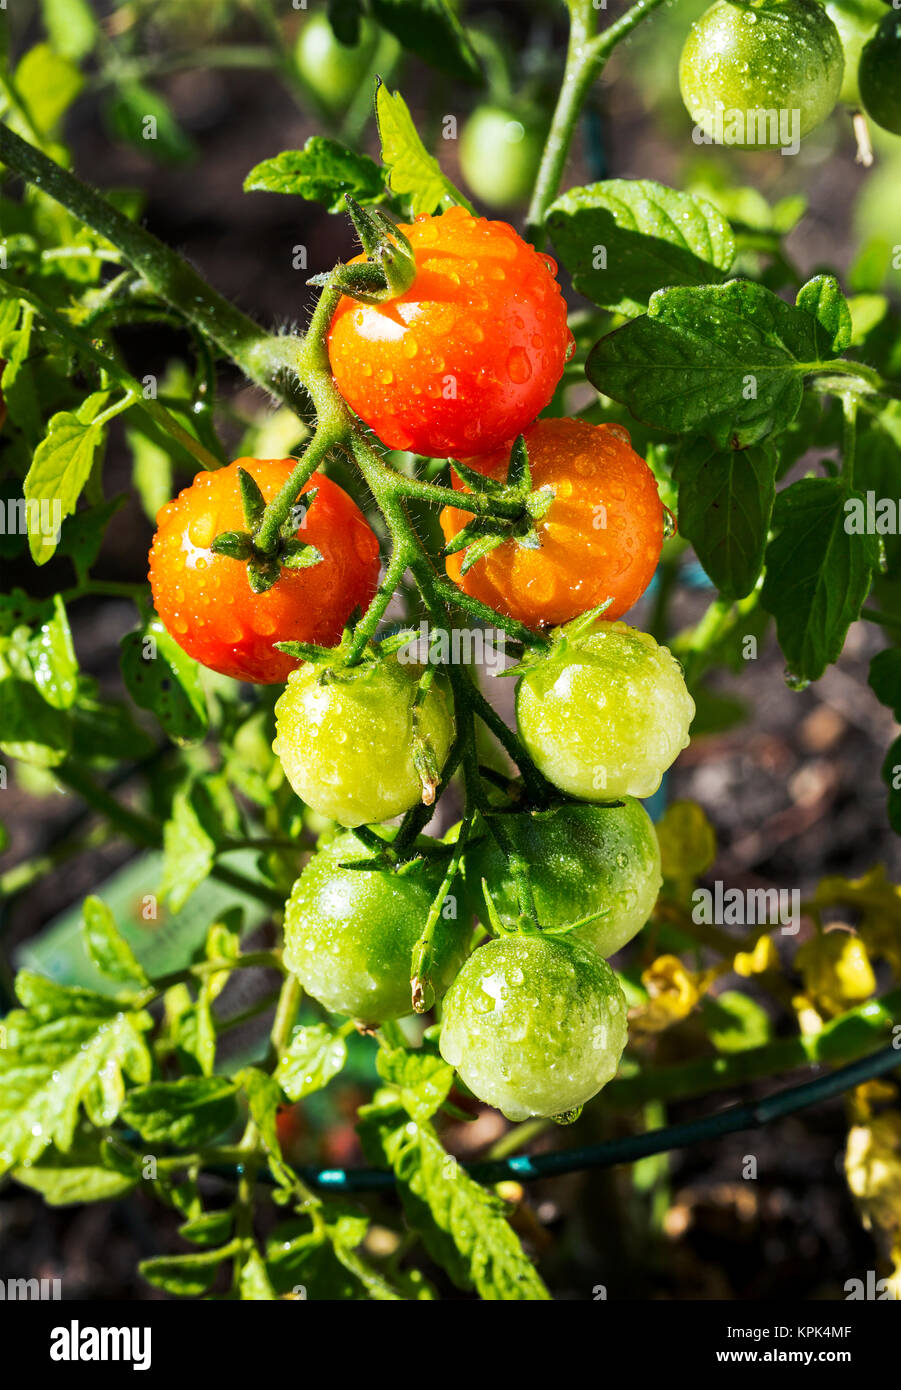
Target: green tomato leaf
pixel 17 379
pixel 107 948
pixel 422 1080
pixel 104 732
pixel 745 206
pixel 463 1226
pixel 622 239
pixel 725 504
pixel 344 16
pixel 254 1284
pixel 818 573
pixel 55 1049
pixel 143 119
pixel 885 682
pixel 264 1096
pixel 727 361
pixel 211 1228
pixel 45 655
pixel 734 1022
pixel 18 609
pixel 187 1276
pixel 81 1175
pixel 867 312
pixel 31 730
pixel 297 1257
pixel 83 532
pixel 822 297
pixel 431 30
pixel 413 173
pixel 189 852
pixel 160 677
pixel 195 1035
pixel 48 83
pixel 878 472
pixel 315 1054
pixel 322 172
pixel 152 470
pixel 72 27
pixel 60 468
pixel 189 1112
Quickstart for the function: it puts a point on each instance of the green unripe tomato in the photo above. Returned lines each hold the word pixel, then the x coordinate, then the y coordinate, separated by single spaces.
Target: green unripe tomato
pixel 332 69
pixel 582 860
pixel 500 151
pixel 606 715
pixel 346 744
pixel 880 74
pixel 856 22
pixel 766 55
pixel 350 933
pixel 535 1025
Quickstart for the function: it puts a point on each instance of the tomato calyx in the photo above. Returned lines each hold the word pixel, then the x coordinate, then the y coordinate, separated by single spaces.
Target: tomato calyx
pixel 485 533
pixel 335 670
pixel 264 566
pixel 524 925
pixel 563 639
pixel 390 268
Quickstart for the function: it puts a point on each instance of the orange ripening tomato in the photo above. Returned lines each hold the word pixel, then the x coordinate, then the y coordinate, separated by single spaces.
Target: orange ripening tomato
pixel 601 537
pixel 469 355
pixel 205 600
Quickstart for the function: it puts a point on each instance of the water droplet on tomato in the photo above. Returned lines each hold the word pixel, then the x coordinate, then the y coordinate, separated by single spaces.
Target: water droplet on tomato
pixel 519 367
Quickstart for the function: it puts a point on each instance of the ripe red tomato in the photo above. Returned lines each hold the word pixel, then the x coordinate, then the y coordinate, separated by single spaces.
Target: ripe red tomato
pixel 469 354
pixel 205 600
pixel 601 537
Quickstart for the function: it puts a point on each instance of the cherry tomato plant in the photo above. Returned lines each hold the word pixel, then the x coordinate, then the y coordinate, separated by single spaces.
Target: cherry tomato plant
pixel 448 449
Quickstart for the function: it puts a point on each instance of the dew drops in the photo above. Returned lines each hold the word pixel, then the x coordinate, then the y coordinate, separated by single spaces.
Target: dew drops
pixel 795 682
pixel 519 368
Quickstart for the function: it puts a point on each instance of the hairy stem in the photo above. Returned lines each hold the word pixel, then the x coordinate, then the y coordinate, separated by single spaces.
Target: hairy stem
pixel 171 277
pixel 586 55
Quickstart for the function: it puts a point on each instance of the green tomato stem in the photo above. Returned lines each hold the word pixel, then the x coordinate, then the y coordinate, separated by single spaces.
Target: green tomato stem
pixel 849 437
pixel 423 995
pixel 87 348
pixel 171 277
pixel 586 56
pixel 289 1001
pixel 366 627
pixel 479 504
pixel 887 620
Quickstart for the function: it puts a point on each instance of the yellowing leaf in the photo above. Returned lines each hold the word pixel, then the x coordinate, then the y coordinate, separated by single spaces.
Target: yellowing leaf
pixel 673 991
pixel 764 957
pixel 879 903
pixel 836 971
pixel 873 1170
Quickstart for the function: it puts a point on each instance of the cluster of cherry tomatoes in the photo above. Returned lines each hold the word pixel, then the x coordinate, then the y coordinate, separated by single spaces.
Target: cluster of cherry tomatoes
pixel 459 366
